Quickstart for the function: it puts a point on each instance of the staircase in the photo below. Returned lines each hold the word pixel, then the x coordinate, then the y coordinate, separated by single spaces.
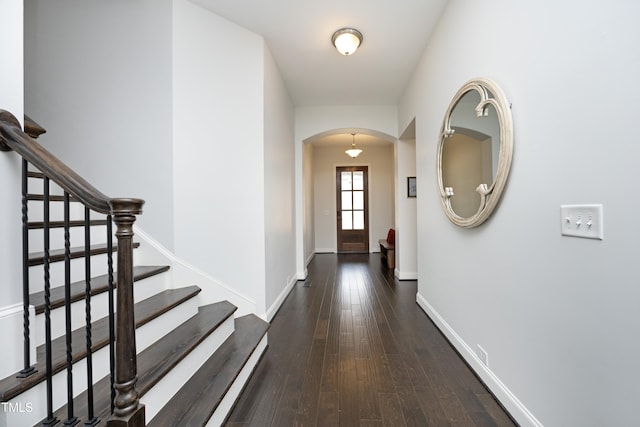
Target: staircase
pixel 191 360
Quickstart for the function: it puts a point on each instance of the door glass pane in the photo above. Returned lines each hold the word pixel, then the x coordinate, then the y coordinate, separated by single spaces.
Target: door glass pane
pixel 347 220
pixel 346 200
pixel 346 181
pixel 358 220
pixel 358 180
pixel 358 200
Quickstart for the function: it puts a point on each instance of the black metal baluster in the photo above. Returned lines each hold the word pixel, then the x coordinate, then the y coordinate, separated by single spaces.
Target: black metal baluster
pixel 91 419
pixel 27 369
pixel 112 323
pixel 51 420
pixel 71 419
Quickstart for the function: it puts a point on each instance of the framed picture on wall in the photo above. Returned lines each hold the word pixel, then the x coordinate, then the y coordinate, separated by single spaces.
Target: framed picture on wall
pixel 411 186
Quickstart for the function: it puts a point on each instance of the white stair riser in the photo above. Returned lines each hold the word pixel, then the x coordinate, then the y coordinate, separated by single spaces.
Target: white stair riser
pixel 151 332
pixel 57 272
pixel 162 392
pixel 142 289
pixel 99 267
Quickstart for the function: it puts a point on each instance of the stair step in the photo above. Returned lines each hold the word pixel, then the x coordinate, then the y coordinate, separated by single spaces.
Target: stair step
pixel 198 399
pixel 145 311
pixel 52 198
pixel 35 174
pixel 159 358
pixel 57 255
pixel 99 284
pixel 60 224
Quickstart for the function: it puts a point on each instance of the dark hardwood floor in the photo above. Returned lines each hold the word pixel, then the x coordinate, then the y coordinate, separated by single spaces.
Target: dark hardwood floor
pixel 350 347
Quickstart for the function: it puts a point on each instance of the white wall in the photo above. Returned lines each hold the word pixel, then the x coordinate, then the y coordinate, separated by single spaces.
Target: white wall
pixel 219 169
pixel 379 160
pixel 405 207
pixel 308 205
pixel 175 111
pixel 279 189
pixel 558 316
pixel 98 78
pixel 11 99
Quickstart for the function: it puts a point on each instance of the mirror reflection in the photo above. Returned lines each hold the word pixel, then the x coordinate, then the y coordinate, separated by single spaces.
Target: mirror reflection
pixel 474 152
pixel 470 154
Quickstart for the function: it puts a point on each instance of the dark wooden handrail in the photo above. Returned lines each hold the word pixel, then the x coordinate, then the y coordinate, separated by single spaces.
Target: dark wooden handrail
pixel 127 409
pixel 12 137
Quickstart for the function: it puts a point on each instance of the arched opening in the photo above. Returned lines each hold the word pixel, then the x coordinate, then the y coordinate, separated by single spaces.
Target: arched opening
pixel 324 155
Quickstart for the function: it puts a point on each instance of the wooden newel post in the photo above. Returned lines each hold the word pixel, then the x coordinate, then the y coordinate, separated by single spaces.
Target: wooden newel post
pixel 128 411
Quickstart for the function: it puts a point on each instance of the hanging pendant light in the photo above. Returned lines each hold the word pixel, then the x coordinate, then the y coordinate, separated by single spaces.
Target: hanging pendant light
pixel 353 151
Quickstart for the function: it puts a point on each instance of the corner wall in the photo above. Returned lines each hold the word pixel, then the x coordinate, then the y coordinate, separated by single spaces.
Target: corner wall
pixel 406 208
pixel 218 150
pixel 556 315
pixel 279 188
pixel 11 99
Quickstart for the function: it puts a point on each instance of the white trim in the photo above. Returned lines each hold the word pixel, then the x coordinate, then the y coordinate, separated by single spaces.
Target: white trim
pixel 302 275
pixel 325 251
pixel 500 391
pixel 403 275
pixel 271 312
pixel 308 261
pixel 10 310
pixel 12 336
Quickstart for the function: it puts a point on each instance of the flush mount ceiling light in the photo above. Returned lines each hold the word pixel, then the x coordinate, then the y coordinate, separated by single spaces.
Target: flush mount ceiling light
pixel 346 40
pixel 353 151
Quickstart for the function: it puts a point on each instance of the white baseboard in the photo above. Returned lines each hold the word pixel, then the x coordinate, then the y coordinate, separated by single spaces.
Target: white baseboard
pixel 511 403
pixel 324 251
pixel 271 312
pixel 12 337
pixel 308 260
pixel 404 275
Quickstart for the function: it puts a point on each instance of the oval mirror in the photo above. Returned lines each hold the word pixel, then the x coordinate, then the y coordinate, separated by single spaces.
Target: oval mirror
pixel 474 152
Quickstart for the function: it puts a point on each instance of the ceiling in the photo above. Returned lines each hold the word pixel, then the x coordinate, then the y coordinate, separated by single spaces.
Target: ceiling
pixel 298 34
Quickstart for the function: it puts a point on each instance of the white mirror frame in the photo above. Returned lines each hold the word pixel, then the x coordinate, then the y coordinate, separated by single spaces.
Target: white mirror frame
pixel 490 94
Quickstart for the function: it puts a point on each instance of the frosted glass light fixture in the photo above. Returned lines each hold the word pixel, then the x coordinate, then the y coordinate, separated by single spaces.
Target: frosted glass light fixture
pixel 353 151
pixel 347 40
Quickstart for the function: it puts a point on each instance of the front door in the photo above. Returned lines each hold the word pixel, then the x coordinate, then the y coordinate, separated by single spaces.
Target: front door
pixel 353 214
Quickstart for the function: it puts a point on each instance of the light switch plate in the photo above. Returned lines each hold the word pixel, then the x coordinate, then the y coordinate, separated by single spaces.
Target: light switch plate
pixel 582 221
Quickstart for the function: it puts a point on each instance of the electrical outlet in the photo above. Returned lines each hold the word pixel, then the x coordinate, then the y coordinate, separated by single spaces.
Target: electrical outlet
pixel 582 221
pixel 483 356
